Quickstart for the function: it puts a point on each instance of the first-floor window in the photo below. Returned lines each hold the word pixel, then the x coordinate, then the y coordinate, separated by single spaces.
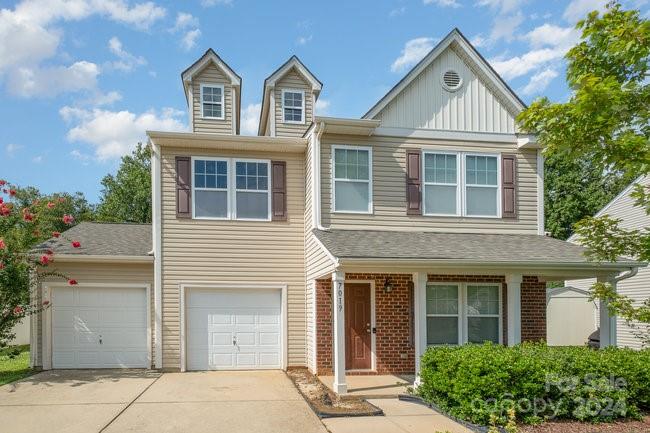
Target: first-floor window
pixel 211 188
pixel 252 189
pixel 352 179
pixel 460 313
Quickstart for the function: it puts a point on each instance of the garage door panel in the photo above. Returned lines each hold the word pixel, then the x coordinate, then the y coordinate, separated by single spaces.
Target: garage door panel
pixel 249 317
pixel 99 328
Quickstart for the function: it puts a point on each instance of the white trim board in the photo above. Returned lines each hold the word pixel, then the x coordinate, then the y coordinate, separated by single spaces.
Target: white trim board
pixel 46 336
pixel 184 287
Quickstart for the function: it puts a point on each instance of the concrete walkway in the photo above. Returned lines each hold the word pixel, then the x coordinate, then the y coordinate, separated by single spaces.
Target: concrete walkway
pixel 400 417
pixel 140 401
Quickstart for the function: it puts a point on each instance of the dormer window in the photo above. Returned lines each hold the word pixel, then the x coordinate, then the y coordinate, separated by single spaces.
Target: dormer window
pixel 212 101
pixel 293 106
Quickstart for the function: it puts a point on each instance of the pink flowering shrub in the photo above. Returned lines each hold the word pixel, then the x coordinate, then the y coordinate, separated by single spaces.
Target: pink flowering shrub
pixel 25 223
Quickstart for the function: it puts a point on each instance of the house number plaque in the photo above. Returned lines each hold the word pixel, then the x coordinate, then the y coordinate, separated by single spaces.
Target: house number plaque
pixel 339 296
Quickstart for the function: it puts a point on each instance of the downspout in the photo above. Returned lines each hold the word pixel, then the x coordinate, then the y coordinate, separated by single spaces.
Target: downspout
pixel 156 226
pixel 316 170
pixel 628 274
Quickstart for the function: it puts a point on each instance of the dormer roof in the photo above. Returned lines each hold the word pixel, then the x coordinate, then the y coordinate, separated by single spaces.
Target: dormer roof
pixel 270 82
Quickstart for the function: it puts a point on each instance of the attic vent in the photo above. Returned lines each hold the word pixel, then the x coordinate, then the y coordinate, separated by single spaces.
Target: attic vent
pixel 451 80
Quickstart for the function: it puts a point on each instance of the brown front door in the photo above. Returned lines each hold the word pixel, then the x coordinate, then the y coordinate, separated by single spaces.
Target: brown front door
pixel 357 326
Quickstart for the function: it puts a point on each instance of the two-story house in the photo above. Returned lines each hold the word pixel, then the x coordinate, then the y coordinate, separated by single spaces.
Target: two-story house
pixel 344 245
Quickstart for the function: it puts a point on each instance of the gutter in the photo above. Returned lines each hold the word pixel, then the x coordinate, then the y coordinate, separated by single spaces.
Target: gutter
pixel 99 258
pixel 316 174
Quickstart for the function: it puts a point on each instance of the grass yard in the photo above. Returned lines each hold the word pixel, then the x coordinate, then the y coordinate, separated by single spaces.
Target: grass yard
pixel 14 368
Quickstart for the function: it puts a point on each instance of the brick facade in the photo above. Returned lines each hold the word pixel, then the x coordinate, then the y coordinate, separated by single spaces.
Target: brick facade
pixel 395 350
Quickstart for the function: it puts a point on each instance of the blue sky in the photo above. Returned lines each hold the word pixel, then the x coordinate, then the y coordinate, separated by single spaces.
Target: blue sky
pixel 80 80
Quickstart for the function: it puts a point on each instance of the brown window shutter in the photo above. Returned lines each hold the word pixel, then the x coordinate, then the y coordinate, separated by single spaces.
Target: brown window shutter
pixel 183 187
pixel 509 185
pixel 413 182
pixel 279 190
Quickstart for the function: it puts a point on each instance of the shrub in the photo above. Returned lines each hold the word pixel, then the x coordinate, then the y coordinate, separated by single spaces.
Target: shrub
pixel 480 382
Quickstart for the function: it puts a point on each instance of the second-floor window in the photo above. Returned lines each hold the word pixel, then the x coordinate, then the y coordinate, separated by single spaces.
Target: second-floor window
pixel 461 184
pixel 227 188
pixel 352 180
pixel 293 106
pixel 212 101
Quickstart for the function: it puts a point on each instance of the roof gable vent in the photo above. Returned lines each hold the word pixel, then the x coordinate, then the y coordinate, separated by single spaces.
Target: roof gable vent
pixel 451 80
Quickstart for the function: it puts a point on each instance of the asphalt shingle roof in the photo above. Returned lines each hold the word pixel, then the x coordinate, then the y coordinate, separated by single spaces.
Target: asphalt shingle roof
pixel 112 239
pixel 506 248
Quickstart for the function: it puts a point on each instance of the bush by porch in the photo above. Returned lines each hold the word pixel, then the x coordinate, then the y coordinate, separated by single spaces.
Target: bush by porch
pixel 473 382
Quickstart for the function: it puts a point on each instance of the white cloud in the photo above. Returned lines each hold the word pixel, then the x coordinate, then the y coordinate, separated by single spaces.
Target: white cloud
pixel 521 65
pixel 12 148
pixel 304 40
pixel 578 9
pixel 189 39
pixel 539 82
pixel 413 51
pixel 397 12
pixel 100 99
pixel 185 20
pixel 250 118
pixel 37 159
pixel 443 3
pixel 115 133
pixel 126 61
pixel 508 17
pixel 478 41
pixel 552 35
pixel 50 81
pixel 322 107
pixel 208 3
pixel 502 6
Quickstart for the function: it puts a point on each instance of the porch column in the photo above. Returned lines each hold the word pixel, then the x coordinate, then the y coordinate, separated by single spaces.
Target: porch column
pixel 608 335
pixel 338 295
pixel 514 308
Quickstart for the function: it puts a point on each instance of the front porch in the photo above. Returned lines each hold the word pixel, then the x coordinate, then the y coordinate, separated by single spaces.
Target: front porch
pixel 373 386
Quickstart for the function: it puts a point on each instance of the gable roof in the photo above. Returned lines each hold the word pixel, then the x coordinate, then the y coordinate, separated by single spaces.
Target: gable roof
pixel 103 239
pixel 211 57
pixel 477 61
pixel 269 84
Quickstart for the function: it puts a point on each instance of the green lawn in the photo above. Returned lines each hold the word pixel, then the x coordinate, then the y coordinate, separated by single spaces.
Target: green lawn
pixel 14 368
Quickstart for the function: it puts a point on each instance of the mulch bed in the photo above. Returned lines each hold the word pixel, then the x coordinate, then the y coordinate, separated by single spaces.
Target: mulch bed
pixel 325 402
pixel 629 426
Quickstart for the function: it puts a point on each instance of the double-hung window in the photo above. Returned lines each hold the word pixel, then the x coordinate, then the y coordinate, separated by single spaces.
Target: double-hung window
pixel 212 101
pixel 230 188
pixel 458 184
pixel 352 180
pixel 211 188
pixel 252 196
pixel 441 184
pixel 293 106
pixel 481 185
pixel 458 313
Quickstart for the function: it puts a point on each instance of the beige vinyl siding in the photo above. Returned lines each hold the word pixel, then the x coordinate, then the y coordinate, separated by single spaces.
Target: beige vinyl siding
pixel 233 251
pixel 389 188
pixel 103 273
pixel 425 104
pixel 638 288
pixel 212 75
pixel 292 80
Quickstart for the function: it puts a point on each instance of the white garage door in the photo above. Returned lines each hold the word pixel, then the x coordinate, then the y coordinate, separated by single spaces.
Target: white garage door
pixel 99 328
pixel 233 329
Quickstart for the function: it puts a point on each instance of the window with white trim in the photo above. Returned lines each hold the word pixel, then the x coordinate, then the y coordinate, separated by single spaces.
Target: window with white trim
pixel 352 180
pixel 210 183
pixel 252 190
pixel 212 101
pixel 440 184
pixel 293 106
pixel 457 183
pixel 481 185
pixel 458 313
pixel 242 193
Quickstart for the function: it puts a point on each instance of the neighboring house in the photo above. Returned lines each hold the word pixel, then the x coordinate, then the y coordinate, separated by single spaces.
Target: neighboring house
pixel 342 245
pixel 638 287
pixel 571 317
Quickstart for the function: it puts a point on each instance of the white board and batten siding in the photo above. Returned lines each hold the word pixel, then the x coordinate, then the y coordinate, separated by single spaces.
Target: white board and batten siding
pixel 293 80
pixel 238 252
pixel 212 75
pixel 425 104
pixel 638 287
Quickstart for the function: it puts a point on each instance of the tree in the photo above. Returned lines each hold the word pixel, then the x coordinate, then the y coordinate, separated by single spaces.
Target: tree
pixel 605 121
pixel 127 194
pixel 26 219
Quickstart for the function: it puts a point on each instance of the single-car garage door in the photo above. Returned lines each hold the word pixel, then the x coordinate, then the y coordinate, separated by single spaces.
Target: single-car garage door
pixel 99 327
pixel 233 329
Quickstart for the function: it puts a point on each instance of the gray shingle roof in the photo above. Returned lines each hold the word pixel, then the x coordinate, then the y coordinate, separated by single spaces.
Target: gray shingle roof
pixel 112 239
pixel 469 247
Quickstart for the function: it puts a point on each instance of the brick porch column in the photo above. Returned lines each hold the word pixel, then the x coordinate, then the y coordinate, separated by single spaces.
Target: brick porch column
pixel 338 293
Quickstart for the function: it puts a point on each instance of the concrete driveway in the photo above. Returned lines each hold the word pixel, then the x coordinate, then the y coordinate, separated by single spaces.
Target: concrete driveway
pixel 140 401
